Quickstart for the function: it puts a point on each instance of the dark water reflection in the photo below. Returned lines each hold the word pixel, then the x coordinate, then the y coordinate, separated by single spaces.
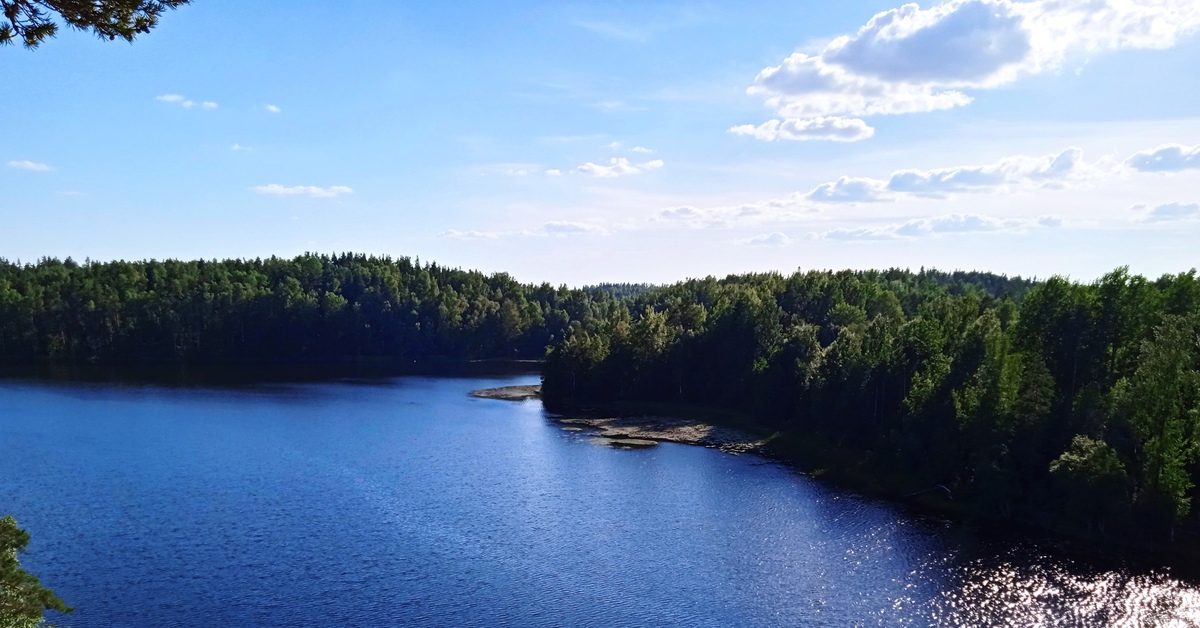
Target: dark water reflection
pixel 406 501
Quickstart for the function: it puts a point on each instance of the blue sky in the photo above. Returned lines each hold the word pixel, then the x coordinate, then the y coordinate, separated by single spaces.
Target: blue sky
pixel 577 143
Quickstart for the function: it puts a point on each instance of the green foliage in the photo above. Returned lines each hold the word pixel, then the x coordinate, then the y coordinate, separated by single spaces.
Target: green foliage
pixel 33 21
pixel 23 599
pixel 1026 399
pixel 308 309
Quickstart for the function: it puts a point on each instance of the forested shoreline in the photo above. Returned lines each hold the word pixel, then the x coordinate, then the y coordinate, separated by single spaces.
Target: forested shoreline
pixel 1072 407
pixel 1058 404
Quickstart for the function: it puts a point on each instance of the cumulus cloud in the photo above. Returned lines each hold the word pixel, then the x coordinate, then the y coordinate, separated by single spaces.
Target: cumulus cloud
pixel 455 234
pixel 1166 158
pixel 618 167
pixel 1050 221
pixel 275 189
pixel 272 108
pixel 850 190
pixel 767 239
pixel 831 128
pixel 567 228
pixel 31 166
pixel 1170 212
pixel 939 225
pixel 554 172
pixel 1048 170
pixel 909 59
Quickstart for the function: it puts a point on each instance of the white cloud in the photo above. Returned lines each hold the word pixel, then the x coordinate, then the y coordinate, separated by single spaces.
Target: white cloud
pixel 185 102
pixel 1171 212
pixel 567 228
pixel 939 225
pixel 613 146
pixel 831 128
pixel 275 189
pixel 1048 170
pixel 1166 158
pixel 617 167
pixel 910 59
pixel 677 213
pixel 32 166
pixel 955 223
pixel 518 172
pixel 272 108
pixel 850 190
pixel 640 149
pixel 455 234
pixel 554 172
pixel 1050 221
pixel 239 147
pixel 767 239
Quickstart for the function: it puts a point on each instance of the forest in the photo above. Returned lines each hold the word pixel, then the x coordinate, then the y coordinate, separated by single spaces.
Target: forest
pixel 1072 406
pixel 1068 406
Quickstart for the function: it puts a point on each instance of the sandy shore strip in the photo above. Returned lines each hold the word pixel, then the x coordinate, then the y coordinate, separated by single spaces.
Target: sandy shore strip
pixel 509 393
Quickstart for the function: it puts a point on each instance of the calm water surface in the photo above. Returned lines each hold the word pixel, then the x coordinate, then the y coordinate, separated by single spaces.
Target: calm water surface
pixel 406 501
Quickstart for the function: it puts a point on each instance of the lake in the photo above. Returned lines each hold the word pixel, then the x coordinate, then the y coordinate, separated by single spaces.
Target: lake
pixel 405 501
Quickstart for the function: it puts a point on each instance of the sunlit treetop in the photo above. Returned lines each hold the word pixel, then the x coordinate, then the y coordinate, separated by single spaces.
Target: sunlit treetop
pixel 33 21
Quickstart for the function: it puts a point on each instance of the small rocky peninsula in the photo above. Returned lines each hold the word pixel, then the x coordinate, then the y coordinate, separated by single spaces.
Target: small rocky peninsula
pixel 639 431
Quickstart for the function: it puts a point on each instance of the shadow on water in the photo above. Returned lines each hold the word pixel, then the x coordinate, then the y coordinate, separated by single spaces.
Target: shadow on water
pixel 249 375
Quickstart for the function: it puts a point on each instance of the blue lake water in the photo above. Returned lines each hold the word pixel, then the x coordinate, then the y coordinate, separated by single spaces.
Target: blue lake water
pixel 405 501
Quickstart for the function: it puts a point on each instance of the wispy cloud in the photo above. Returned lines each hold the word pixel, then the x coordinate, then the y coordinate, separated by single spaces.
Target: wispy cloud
pixel 767 239
pixel 939 225
pixel 184 102
pixel 830 129
pixel 272 108
pixel 275 189
pixel 1169 212
pixel 31 166
pixel 640 149
pixel 568 228
pixel 239 147
pixel 553 172
pixel 618 167
pixel 455 234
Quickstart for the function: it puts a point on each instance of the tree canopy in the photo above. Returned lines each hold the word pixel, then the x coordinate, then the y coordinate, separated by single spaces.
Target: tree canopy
pixel 23 599
pixel 33 21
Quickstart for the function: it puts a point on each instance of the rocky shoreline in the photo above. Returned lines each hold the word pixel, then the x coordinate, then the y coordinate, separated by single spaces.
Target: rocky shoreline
pixel 509 393
pixel 639 431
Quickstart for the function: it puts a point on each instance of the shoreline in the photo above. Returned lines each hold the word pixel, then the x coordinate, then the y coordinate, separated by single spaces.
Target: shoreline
pixel 646 425
pixel 632 429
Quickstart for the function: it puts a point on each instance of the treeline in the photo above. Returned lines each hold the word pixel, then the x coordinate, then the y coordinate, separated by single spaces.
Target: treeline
pixel 313 308
pixel 1073 406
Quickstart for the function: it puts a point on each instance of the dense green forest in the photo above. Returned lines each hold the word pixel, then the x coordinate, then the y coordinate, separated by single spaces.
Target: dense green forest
pixel 1068 405
pixel 307 309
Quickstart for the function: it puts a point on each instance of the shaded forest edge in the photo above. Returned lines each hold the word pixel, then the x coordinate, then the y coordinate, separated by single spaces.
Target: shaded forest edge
pixel 1066 406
